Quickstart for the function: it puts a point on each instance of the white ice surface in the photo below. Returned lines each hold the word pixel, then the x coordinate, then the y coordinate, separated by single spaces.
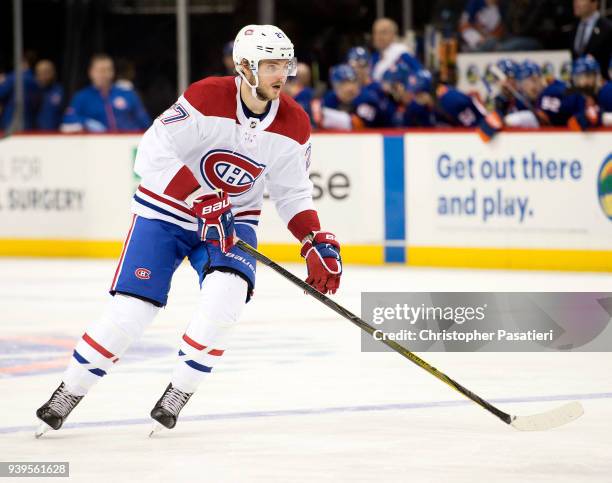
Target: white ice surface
pixel 295 400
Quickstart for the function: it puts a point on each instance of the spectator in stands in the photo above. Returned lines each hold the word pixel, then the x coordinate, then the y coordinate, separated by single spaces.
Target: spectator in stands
pixel 388 50
pixel 49 113
pixel 593 34
pixel 299 88
pixel 103 106
pixel 126 73
pixel 486 26
pixel 31 93
pixel 481 25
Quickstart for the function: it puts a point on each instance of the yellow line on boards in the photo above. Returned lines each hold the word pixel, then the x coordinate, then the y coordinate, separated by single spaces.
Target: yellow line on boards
pixel 281 252
pixel 511 258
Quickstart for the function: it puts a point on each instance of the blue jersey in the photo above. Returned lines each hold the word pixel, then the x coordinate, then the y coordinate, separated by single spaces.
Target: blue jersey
pixel 386 105
pixel 409 61
pixel 455 108
pixel 369 107
pixel 507 104
pixel 120 110
pixel 49 115
pixel 304 98
pixel 559 104
pixel 31 94
pixel 604 98
pixel 417 115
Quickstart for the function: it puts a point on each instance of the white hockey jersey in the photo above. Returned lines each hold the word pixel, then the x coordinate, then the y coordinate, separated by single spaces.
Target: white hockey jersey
pixel 205 139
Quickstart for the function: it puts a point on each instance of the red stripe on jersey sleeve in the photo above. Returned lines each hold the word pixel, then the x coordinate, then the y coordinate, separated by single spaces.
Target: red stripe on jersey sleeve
pixel 182 185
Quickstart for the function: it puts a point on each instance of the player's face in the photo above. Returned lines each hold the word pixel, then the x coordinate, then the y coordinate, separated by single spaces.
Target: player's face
pixel 532 86
pixel 102 73
pixel 347 91
pixel 585 82
pixel 423 98
pixel 272 76
pixel 362 70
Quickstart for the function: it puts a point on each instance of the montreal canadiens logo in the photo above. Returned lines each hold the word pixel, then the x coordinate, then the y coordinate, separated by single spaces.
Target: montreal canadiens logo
pixel 142 273
pixel 230 172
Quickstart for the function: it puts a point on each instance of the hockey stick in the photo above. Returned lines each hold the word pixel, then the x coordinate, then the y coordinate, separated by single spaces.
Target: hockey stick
pixel 500 76
pixel 537 422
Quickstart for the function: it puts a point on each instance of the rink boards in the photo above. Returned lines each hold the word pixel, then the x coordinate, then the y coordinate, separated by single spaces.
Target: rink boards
pixel 529 199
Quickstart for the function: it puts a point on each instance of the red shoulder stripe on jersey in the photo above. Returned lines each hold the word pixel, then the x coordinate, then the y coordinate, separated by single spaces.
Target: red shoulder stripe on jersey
pixel 213 96
pixel 155 196
pixel 303 223
pixel 182 185
pixel 291 120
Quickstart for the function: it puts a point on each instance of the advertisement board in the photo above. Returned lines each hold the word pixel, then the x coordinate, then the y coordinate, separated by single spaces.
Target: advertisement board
pixel 534 199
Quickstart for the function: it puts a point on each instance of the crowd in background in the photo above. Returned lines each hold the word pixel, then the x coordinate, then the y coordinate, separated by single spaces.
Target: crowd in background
pixel 383 85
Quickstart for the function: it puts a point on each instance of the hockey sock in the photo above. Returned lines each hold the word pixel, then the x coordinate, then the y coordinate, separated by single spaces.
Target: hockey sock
pixel 105 341
pixel 222 299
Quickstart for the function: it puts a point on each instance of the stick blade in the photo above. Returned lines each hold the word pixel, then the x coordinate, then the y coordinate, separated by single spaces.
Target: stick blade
pixel 549 419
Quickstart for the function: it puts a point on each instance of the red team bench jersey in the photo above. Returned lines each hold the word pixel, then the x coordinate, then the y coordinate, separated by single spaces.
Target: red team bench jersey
pixel 206 139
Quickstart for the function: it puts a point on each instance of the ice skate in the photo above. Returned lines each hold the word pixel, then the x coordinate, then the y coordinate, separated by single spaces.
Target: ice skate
pixel 55 411
pixel 166 411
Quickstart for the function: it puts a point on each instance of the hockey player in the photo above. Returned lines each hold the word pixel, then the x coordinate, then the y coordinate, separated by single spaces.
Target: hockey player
pixel 515 106
pixel 359 59
pixel 604 99
pixel 448 107
pixel 298 87
pixel 573 106
pixel 203 165
pixel 347 106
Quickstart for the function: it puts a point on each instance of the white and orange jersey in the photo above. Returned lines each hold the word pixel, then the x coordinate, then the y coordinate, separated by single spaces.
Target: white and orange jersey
pixel 206 140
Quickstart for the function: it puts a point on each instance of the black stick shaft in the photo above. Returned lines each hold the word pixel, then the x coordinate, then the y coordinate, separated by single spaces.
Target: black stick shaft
pixel 506 418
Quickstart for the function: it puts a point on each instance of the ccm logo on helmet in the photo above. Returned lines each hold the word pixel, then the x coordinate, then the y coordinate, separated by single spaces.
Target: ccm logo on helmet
pixel 230 172
pixel 142 273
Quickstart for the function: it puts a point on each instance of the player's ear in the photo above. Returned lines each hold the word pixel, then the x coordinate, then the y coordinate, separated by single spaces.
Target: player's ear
pixel 244 66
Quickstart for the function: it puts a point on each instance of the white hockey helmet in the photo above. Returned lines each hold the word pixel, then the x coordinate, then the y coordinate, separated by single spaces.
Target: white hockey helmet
pixel 255 43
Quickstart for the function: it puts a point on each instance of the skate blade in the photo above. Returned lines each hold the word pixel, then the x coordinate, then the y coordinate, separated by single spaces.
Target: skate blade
pixel 156 428
pixel 42 429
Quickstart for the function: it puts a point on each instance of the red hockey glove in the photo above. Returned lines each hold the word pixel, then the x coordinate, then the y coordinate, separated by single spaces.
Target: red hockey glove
pixel 322 254
pixel 216 221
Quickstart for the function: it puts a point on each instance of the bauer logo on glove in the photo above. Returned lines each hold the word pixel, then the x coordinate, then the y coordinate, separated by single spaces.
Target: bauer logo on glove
pixel 216 221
